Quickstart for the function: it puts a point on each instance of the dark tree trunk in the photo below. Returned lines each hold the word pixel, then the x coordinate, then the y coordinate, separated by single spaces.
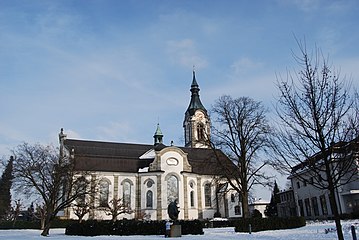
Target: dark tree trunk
pixel 42 222
pixel 335 212
pixel 45 232
pixel 245 204
pixel 332 200
pixel 47 225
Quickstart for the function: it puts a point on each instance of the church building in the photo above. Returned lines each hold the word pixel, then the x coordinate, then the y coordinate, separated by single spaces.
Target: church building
pixel 147 177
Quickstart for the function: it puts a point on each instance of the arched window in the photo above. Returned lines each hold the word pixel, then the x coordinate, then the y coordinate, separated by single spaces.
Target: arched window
pixel 172 189
pixel 192 198
pixel 207 195
pixel 233 198
pixel 126 190
pixel 80 188
pixel 149 199
pixel 200 132
pixel 104 192
pixel 191 194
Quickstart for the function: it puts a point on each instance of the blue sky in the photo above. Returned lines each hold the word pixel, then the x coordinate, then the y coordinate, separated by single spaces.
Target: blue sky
pixel 110 70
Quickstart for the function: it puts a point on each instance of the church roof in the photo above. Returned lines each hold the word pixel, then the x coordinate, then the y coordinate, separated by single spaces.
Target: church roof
pixel 195 102
pixel 125 157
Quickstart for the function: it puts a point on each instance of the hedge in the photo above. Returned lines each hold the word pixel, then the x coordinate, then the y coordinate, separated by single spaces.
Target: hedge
pixel 263 224
pixel 35 224
pixel 129 227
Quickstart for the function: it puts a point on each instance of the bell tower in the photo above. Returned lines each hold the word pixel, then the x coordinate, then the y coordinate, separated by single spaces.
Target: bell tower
pixel 196 122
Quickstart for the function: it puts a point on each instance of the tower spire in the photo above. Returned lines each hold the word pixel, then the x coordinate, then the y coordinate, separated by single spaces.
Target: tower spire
pixel 196 123
pixel 195 102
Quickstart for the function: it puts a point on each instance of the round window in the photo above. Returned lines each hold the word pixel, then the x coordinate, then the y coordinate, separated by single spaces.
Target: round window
pixel 149 184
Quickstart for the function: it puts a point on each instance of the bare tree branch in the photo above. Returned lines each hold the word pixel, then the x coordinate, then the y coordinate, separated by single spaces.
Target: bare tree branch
pixel 241 133
pixel 42 171
pixel 314 133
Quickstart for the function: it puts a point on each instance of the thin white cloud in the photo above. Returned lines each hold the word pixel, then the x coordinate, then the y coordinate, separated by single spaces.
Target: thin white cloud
pixel 349 70
pixel 115 130
pixel 331 7
pixel 306 5
pixel 184 52
pixel 244 65
pixel 72 134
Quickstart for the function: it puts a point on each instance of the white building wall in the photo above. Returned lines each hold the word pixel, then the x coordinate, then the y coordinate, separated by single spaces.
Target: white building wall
pixel 150 213
pixel 173 162
pixel 132 180
pixel 232 205
pixel 304 190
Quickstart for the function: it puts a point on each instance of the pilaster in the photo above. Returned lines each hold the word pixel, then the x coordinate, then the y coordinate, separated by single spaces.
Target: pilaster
pixel 115 186
pixel 138 197
pixel 185 189
pixel 199 196
pixel 159 198
pixel 92 197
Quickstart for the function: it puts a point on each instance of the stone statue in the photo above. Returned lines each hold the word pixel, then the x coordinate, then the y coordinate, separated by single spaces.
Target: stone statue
pixel 173 211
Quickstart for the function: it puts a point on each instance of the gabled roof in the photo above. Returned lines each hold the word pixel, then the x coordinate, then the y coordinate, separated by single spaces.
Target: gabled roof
pixel 108 156
pixel 125 157
pixel 339 147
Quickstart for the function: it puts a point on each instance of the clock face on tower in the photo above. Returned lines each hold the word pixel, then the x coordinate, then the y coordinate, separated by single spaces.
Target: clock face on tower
pixel 199 115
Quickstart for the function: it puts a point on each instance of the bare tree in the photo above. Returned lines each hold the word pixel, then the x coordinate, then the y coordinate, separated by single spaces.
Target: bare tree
pixel 81 209
pixel 15 211
pixel 40 213
pixel 41 170
pixel 314 110
pixel 241 133
pixel 116 207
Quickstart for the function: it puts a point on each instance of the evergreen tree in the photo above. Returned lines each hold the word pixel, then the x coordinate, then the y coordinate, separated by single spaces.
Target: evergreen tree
pixel 256 214
pixel 5 186
pixel 271 209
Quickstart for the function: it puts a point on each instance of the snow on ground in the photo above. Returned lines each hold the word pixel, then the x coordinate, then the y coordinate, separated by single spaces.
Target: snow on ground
pixel 312 231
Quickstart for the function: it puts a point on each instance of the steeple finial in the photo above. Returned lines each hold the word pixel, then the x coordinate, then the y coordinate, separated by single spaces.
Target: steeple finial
pixel 158 136
pixel 194 81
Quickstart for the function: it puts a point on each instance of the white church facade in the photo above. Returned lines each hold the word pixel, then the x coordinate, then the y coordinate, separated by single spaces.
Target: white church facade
pixel 147 177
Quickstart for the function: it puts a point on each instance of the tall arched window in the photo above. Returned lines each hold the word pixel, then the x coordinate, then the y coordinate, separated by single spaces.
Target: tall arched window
pixel 200 132
pixel 191 194
pixel 207 195
pixel 126 189
pixel 104 192
pixel 172 189
pixel 149 199
pixel 80 187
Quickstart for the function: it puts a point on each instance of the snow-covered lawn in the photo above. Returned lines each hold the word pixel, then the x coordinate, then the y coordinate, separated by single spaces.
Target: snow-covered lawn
pixel 311 231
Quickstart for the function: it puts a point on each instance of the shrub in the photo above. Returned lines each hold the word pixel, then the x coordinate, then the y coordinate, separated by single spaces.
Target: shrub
pixel 129 227
pixel 273 223
pixel 22 224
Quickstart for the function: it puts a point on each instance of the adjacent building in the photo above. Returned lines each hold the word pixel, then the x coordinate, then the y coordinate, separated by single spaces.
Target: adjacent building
pixel 259 205
pixel 312 202
pixel 286 207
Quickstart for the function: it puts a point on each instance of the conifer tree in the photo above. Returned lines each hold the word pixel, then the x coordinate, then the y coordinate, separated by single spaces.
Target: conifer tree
pixel 271 209
pixel 5 186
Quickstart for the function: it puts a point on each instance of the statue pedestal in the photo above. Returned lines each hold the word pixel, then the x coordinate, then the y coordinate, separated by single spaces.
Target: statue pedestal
pixel 176 230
